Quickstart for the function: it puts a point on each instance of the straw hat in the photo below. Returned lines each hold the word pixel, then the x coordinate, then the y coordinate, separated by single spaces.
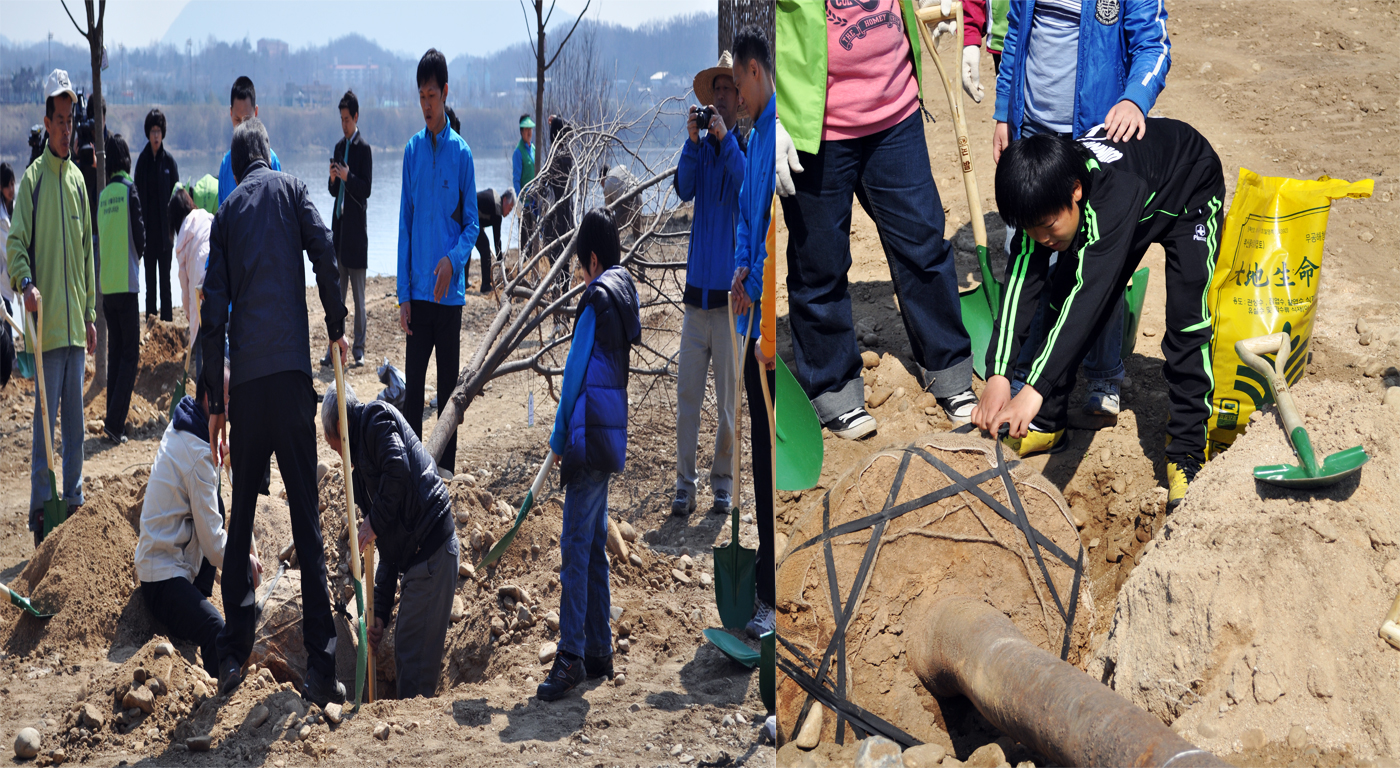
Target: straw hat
pixel 704 84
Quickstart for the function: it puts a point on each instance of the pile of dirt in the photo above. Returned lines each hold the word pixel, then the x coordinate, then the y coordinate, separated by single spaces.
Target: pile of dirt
pixel 1251 621
pixel 84 572
pixel 163 348
pixel 955 545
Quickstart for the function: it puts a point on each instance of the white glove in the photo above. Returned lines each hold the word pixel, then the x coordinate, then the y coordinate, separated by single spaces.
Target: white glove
pixel 949 27
pixel 788 163
pixel 971 72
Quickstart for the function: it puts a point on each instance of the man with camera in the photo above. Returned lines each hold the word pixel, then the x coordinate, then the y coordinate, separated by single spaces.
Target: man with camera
pixel 710 172
pixel 51 265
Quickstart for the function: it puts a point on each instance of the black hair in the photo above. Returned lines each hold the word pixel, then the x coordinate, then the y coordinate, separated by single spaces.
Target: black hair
pixel 433 66
pixel 557 127
pixel 181 206
pixel 1036 177
pixel 155 119
pixel 243 89
pixel 453 121
pixel 7 177
pixel 250 144
pixel 118 155
pixel 351 104
pixel 49 106
pixel 750 44
pixel 597 235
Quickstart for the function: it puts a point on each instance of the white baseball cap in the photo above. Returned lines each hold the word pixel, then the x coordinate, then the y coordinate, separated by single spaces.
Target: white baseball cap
pixel 57 83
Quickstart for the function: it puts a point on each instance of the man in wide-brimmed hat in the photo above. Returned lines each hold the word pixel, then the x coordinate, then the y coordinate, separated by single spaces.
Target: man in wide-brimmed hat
pixel 711 171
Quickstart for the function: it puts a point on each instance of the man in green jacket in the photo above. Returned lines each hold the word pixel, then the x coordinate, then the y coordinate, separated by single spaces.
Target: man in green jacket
pixel 121 237
pixel 51 265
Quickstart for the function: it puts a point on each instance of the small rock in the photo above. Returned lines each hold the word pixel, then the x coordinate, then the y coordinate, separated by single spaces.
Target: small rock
pixel 1093 543
pixel 878 397
pixel 322 469
pixel 58 756
pixel 92 717
pixel 139 676
pixel 1366 237
pixel 304 733
pixel 619 679
pixel 924 756
pixel 634 707
pixel 680 576
pixel 459 611
pixel 199 743
pixel 624 645
pixel 615 612
pixel 811 732
pixel 629 534
pixel 1120 485
pixel 869 359
pixel 551 620
pixel 1208 730
pixel 463 517
pixel 1374 370
pixel 381 731
pixel 1364 339
pixel 164 649
pixel 498 626
pixel 334 713
pixel 1253 738
pixel 1362 325
pixel 871 340
pixel 547 652
pixel 156 685
pixel 636 560
pixel 1297 737
pixel 1148 332
pixel 986 756
pixel 686 562
pixel 258 716
pixel 747 519
pixel 705 579
pixel 27 743
pixel 624 628
pixel 877 752
pixel 466 570
pixel 523 617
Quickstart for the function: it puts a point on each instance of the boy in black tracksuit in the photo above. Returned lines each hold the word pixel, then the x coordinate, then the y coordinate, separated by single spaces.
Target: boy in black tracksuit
pixel 1100 204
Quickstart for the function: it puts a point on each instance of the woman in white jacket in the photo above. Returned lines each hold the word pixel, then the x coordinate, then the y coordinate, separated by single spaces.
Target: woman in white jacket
pixel 182 534
pixel 189 228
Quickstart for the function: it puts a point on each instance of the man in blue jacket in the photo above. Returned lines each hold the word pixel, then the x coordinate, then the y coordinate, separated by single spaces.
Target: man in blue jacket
pixel 710 172
pixel 437 231
pixel 242 105
pixel 753 76
pixel 255 289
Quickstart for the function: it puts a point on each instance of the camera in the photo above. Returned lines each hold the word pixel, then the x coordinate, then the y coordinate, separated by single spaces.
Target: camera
pixel 702 118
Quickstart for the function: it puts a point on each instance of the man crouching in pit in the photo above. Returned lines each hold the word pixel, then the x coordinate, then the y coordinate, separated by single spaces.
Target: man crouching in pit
pixel 408 512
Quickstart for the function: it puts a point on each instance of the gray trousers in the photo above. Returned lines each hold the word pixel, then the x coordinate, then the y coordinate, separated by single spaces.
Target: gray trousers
pixel 420 631
pixel 355 278
pixel 63 385
pixel 705 345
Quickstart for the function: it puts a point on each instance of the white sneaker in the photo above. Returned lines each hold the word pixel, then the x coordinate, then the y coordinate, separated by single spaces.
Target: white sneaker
pixel 959 407
pixel 1103 399
pixel 854 424
pixel 764 620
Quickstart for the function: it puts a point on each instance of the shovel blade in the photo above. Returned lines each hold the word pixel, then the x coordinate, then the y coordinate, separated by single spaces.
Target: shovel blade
pixel 55 509
pixel 733 647
pixel 800 450
pixel 1133 297
pixel 23 604
pixel 977 319
pixel 1334 469
pixel 24 363
pixel 734 580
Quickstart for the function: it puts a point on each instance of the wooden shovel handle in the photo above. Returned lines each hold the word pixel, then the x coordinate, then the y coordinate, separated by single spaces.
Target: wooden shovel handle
pixel 1277 344
pixel 42 392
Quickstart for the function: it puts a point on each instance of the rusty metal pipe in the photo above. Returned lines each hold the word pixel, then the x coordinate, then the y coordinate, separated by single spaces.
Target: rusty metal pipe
pixel 969 648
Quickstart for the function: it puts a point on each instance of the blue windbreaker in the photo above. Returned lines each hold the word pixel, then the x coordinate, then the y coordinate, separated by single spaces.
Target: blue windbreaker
pixel 437 215
pixel 756 207
pixel 712 179
pixel 226 180
pixel 1124 53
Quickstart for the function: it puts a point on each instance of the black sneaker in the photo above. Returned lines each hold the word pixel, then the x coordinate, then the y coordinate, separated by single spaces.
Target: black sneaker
pixel 323 690
pixel 683 504
pixel 114 438
pixel 359 362
pixel 566 674
pixel 722 504
pixel 598 666
pixel 959 407
pixel 230 676
pixel 854 424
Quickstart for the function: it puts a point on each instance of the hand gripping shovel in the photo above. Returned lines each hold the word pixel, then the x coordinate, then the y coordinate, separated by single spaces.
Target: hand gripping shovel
pixel 362 658
pixel 1311 474
pixel 55 507
pixel 23 603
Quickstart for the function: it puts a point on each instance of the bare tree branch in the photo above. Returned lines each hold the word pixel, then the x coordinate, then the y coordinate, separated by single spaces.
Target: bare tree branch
pixel 81 31
pixel 560 48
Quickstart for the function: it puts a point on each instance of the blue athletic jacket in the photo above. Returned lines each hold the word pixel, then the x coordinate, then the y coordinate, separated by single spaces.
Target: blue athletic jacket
pixel 756 208
pixel 437 215
pixel 226 180
pixel 1124 53
pixel 711 176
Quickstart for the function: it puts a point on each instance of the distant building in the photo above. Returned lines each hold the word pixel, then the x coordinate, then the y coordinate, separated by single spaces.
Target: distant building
pixel 271 49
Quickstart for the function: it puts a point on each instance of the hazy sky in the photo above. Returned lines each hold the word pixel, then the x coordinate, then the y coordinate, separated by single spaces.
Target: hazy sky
pixel 398 25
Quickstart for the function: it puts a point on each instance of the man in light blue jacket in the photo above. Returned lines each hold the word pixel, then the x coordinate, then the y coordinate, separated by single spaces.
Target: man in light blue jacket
pixel 242 104
pixel 437 231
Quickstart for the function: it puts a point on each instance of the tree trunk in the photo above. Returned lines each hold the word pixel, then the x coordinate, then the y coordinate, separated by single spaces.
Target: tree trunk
pixel 99 151
pixel 539 85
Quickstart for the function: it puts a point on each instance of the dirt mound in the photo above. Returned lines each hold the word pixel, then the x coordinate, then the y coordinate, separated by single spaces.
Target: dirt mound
pixel 1252 619
pixel 162 359
pixel 955 545
pixel 84 572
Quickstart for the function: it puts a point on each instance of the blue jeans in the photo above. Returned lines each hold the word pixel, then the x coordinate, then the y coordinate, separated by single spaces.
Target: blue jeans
pixel 888 172
pixel 63 385
pixel 585 603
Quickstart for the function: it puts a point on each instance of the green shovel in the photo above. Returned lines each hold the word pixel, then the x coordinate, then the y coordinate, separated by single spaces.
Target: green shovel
pixel 734 579
pixel 23 603
pixel 55 507
pixel 1312 474
pixel 525 506
pixel 799 445
pixel 1132 317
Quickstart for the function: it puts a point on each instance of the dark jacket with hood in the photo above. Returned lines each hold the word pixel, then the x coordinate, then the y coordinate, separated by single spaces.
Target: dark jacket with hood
pixel 397 485
pixel 597 431
pixel 156 176
pixel 349 227
pixel 255 264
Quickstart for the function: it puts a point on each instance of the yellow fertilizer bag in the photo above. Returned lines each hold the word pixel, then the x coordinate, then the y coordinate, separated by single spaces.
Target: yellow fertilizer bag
pixel 1265 281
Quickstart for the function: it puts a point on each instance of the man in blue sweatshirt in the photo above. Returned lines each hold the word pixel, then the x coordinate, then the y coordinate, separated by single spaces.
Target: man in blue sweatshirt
pixel 242 104
pixel 589 442
pixel 710 172
pixel 437 231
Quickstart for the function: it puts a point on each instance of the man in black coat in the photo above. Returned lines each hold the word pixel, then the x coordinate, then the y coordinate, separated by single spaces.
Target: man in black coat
pixel 491 211
pixel 156 176
pixel 255 291
pixel 352 171
pixel 408 512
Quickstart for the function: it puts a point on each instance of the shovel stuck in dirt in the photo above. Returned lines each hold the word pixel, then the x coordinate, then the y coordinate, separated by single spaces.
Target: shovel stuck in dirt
pixel 1312 474
pixel 362 656
pixel 23 604
pixel 55 507
pixel 525 506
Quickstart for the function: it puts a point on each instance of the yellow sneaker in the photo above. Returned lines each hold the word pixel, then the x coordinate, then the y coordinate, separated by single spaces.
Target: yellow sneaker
pixel 1037 442
pixel 1179 477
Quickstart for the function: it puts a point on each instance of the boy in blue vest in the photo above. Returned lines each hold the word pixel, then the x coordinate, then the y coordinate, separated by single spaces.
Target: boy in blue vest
pixel 122 237
pixel 589 443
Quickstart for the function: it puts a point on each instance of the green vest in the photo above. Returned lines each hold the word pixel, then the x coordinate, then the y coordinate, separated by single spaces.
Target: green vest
pixel 527 163
pixel 205 193
pixel 119 257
